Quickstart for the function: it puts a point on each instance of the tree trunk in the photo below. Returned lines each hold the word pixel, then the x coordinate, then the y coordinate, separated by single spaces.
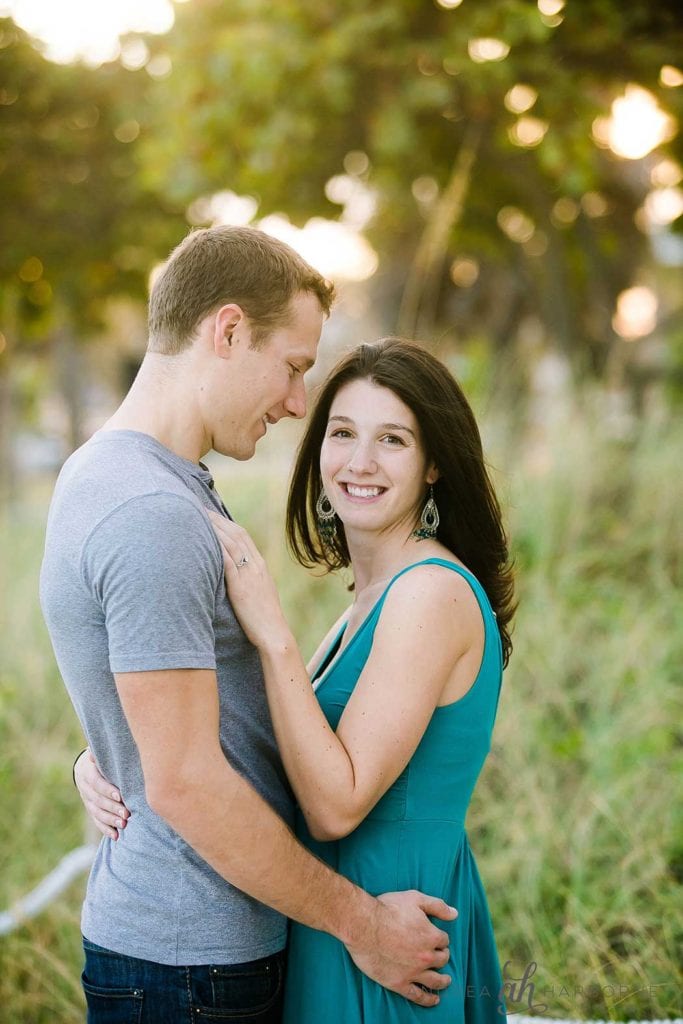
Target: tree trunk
pixel 70 363
pixel 8 481
pixel 7 468
pixel 418 305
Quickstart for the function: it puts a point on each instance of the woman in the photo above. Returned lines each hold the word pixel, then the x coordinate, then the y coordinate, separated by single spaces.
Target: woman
pixel 384 751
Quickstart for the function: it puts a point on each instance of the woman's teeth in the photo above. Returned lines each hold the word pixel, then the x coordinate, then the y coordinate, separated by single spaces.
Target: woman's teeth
pixel 363 492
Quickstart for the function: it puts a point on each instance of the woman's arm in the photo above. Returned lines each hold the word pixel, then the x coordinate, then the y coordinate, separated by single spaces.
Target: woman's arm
pixel 429 620
pixel 323 647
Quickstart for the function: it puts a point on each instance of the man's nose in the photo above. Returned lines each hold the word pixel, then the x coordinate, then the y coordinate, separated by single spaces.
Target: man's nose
pixel 295 402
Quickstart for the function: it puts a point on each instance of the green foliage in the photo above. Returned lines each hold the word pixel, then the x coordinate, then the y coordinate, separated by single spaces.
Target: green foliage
pixel 270 100
pixel 41 817
pixel 77 225
pixel 573 823
pixel 587 746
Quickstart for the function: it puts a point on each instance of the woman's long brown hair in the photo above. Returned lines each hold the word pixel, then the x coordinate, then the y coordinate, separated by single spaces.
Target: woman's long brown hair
pixel 470 517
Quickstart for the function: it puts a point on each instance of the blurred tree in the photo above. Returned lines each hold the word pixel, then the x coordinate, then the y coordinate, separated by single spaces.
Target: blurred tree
pixel 471 123
pixel 77 225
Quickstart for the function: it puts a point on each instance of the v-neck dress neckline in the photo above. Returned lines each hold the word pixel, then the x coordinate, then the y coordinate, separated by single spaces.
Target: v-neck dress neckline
pixel 336 652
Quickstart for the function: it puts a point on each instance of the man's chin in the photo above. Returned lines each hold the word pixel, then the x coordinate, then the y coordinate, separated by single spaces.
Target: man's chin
pixel 241 454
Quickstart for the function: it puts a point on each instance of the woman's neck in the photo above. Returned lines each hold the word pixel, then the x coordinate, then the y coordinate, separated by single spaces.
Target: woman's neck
pixel 375 559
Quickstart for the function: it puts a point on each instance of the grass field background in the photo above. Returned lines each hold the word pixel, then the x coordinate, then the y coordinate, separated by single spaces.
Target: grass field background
pixel 573 823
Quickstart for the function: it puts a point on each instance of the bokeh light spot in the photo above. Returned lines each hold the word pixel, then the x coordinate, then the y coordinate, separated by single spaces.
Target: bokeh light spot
pixel 515 224
pixel 134 54
pixel 666 173
pixel 664 206
pixel 159 66
pixel 425 189
pixel 483 50
pixel 670 77
pixel 565 211
pixel 520 98
pixel 636 125
pixel 464 271
pixel 31 270
pixel 128 131
pixel 528 131
pixel 636 313
pixel 356 162
pixel 594 204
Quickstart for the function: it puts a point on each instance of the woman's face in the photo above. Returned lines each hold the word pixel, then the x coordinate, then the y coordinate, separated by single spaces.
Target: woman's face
pixel 374 468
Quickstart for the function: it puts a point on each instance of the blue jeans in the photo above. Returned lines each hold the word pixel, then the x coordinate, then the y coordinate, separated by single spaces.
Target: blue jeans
pixel 123 990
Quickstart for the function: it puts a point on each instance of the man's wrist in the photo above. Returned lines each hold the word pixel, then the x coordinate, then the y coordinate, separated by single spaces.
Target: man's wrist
pixel 359 919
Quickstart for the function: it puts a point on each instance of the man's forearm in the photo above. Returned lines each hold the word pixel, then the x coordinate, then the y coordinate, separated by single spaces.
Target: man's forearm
pixel 223 818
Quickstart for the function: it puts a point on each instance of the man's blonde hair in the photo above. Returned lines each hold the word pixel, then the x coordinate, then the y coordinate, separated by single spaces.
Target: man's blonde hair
pixel 215 266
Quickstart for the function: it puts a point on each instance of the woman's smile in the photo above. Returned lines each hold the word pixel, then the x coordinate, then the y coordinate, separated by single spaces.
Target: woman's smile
pixel 358 492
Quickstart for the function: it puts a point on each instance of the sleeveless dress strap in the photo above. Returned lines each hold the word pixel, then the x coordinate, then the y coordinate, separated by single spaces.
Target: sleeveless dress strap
pixel 491 631
pixel 479 592
pixel 330 663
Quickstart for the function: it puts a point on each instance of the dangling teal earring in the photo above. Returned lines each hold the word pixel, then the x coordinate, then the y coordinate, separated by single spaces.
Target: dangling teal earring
pixel 429 520
pixel 327 518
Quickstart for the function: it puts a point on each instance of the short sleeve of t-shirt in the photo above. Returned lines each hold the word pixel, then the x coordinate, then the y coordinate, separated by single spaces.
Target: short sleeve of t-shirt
pixel 153 565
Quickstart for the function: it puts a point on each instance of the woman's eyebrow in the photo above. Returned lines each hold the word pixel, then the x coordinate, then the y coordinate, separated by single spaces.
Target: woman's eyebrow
pixel 382 426
pixel 397 426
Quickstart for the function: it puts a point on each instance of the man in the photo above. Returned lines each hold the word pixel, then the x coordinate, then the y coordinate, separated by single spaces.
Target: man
pixel 185 915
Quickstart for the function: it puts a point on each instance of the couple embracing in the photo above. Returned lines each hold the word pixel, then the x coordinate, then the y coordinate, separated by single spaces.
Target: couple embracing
pixel 237 787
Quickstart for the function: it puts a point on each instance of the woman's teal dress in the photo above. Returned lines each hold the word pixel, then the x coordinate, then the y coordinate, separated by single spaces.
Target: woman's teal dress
pixel 414 838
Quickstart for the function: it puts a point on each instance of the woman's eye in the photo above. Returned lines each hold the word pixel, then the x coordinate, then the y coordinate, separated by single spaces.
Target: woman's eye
pixel 340 432
pixel 392 439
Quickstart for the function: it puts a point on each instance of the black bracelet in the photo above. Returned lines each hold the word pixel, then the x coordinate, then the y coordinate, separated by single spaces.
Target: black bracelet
pixel 73 766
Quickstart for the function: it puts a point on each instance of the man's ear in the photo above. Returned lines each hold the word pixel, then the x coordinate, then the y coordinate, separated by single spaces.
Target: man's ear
pixel 227 322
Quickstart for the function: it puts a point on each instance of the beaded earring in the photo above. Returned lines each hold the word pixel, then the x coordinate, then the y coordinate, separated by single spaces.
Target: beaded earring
pixel 429 520
pixel 327 518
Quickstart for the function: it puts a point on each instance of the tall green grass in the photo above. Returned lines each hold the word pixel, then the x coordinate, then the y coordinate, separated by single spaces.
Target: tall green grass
pixel 572 824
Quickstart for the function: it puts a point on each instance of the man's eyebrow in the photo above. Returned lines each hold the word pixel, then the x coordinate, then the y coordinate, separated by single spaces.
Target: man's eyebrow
pixel 383 426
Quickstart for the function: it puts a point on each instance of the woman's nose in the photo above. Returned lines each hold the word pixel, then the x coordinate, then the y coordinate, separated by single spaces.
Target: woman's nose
pixel 362 459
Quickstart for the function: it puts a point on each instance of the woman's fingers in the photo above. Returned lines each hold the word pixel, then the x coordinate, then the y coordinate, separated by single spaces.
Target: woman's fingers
pixel 234 538
pixel 110 833
pixel 101 792
pixel 109 797
pixel 107 823
pixel 232 554
pixel 113 809
pixel 109 815
pixel 101 799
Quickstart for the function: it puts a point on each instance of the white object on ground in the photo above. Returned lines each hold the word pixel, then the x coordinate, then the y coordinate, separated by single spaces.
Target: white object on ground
pixel 69 867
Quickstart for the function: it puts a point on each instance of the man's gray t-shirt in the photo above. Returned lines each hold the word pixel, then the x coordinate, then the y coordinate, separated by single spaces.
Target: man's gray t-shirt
pixel 132 581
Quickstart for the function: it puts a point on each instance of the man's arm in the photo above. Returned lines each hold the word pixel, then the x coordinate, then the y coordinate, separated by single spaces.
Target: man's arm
pixel 174 719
